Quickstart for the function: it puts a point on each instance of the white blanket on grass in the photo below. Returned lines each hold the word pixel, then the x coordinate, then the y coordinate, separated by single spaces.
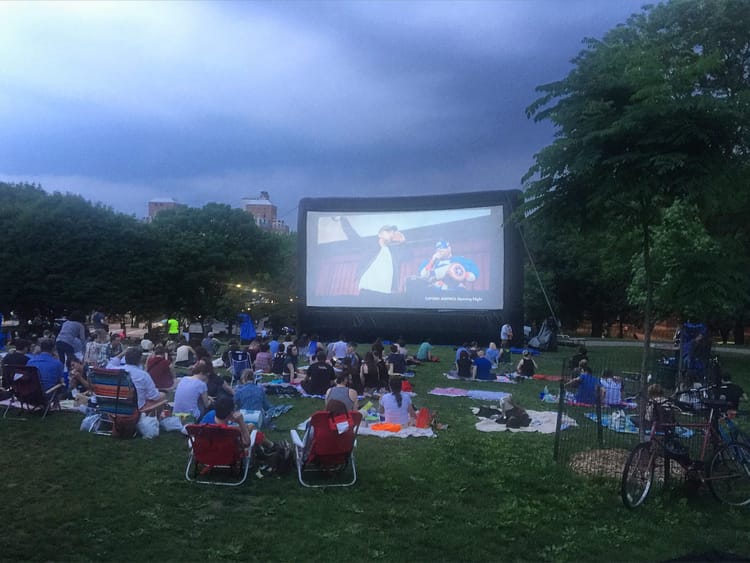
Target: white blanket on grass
pixel 541 421
pixel 498 379
pixel 408 432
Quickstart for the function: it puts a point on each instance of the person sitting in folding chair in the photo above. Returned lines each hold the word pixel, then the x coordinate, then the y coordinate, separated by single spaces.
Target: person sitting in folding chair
pixel 144 385
pixel 224 414
pixel 50 368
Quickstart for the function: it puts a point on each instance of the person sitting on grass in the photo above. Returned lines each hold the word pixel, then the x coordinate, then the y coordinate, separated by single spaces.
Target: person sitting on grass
pixel 424 353
pixel 77 380
pixel 482 367
pixel 368 373
pixel 395 405
pixel 342 392
pixel 191 396
pixel 586 384
pixel 463 365
pixel 526 366
pixel 492 353
pixel 263 359
pixel 396 361
pixel 160 369
pixel 249 396
pixel 320 376
pixel 217 385
pixel 184 355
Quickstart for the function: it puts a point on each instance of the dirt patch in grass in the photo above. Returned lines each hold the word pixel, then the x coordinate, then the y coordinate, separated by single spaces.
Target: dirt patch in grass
pixel 609 463
pixel 599 463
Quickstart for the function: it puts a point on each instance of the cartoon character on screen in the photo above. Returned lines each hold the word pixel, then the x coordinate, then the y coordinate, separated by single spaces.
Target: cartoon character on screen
pixel 447 272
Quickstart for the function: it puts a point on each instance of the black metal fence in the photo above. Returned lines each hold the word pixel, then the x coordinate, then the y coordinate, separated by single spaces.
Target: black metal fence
pixel 595 439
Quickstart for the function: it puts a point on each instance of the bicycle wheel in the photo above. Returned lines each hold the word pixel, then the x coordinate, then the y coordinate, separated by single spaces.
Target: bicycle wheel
pixel 638 475
pixel 729 474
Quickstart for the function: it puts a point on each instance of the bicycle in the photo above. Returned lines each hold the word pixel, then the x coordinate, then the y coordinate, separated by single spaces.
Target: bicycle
pixel 727 472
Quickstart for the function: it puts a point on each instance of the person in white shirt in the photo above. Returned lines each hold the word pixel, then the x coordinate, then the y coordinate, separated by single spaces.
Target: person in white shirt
pixel 395 405
pixel 144 385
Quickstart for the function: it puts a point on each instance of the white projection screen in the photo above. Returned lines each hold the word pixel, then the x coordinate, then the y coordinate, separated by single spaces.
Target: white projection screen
pixel 406 259
pixel 446 266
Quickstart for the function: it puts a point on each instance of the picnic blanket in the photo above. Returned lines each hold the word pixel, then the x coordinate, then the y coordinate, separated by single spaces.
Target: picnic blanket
pixel 544 422
pixel 628 427
pixel 547 377
pixel 498 379
pixel 477 394
pixel 278 410
pixel 405 432
pixel 66 405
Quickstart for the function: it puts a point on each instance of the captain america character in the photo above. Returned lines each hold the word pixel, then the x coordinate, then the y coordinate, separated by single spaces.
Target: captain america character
pixel 446 272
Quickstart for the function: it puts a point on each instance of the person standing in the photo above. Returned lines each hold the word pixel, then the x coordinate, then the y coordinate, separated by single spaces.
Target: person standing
pixel 173 328
pixel 506 336
pixel 71 339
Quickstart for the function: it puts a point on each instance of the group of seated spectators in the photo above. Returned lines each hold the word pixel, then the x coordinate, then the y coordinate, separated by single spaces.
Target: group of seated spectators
pixel 475 362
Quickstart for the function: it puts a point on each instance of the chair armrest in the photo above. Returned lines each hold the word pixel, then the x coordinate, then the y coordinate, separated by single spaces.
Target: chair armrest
pixel 296 439
pixel 54 388
pixel 150 406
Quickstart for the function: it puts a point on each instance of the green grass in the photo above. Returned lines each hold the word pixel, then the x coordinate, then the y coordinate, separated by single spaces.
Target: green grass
pixel 465 495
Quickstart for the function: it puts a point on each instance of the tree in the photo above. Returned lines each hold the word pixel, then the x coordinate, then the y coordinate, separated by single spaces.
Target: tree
pixel 201 254
pixel 63 253
pixel 691 277
pixel 656 110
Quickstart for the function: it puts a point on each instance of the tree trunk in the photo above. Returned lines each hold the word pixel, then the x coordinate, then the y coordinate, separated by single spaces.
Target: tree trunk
pixel 739 332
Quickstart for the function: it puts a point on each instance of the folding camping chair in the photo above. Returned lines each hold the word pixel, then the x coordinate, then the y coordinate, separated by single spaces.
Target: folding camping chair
pixel 117 400
pixel 239 361
pixel 214 446
pixel 25 387
pixel 327 447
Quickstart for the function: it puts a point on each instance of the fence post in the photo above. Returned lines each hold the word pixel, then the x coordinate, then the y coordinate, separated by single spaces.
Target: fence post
pixel 599 431
pixel 560 405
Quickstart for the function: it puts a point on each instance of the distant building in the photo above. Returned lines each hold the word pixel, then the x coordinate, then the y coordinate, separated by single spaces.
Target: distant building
pixel 264 212
pixel 160 204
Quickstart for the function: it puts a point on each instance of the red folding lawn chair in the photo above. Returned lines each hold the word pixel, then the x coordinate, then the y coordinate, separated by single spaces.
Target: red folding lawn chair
pixel 217 451
pixel 327 448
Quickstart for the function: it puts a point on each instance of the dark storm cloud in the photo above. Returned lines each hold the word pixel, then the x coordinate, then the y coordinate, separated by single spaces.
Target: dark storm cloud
pixel 215 101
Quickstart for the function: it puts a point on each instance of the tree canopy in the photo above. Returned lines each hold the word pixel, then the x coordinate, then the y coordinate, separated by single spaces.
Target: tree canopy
pixel 62 253
pixel 656 112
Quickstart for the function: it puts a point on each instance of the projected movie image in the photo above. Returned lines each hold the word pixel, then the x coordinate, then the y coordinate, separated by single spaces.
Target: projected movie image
pixel 436 259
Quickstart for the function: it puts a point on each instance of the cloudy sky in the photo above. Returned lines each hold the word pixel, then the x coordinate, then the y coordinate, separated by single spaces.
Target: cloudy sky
pixel 215 101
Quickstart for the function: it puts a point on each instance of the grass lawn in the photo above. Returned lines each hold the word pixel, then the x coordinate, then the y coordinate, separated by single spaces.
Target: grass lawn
pixel 464 495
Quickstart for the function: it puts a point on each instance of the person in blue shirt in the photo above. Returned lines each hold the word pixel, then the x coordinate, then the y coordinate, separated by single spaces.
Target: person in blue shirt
pixel 50 368
pixel 482 367
pixel 586 384
pixel 248 395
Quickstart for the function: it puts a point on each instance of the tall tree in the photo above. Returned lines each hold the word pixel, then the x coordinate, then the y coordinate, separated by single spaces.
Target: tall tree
pixel 658 109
